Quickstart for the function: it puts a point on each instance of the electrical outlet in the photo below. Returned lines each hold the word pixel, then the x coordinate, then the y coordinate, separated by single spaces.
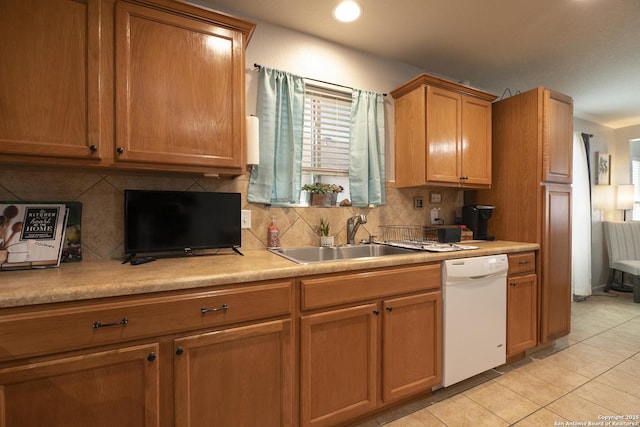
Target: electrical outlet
pixel 418 203
pixel 245 218
pixel 435 216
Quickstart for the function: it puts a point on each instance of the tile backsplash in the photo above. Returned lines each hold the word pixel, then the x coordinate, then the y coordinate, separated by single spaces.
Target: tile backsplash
pixel 101 193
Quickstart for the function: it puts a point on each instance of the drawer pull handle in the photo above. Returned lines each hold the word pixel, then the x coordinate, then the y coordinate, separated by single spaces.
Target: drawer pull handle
pixel 223 307
pixel 524 262
pixel 376 312
pixel 151 356
pixel 98 324
pixel 179 350
pixel 389 309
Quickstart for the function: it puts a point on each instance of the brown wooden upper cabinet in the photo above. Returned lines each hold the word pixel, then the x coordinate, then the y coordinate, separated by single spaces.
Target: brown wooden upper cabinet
pixel 52 85
pixel 137 84
pixel 557 159
pixel 442 134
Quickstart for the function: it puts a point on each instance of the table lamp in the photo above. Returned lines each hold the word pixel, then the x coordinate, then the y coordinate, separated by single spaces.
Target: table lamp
pixel 624 199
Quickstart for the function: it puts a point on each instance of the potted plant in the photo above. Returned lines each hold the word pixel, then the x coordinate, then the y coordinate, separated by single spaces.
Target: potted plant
pixel 322 194
pixel 323 231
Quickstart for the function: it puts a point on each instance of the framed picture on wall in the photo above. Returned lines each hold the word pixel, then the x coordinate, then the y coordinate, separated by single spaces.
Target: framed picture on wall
pixel 603 162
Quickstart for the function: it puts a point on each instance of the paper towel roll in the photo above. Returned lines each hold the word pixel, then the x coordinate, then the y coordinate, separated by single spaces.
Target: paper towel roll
pixel 253 140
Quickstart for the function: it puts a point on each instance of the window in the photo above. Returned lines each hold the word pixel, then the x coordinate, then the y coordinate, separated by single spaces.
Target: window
pixel 325 143
pixel 635 179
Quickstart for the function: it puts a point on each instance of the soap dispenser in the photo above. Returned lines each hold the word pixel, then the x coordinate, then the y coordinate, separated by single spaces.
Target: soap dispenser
pixel 273 234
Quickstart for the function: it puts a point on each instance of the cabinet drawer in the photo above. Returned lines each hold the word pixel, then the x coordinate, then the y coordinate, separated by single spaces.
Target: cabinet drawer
pixel 42 331
pixel 520 263
pixel 345 288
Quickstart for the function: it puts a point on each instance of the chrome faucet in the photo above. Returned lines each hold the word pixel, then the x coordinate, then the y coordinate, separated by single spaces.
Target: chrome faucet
pixel 352 227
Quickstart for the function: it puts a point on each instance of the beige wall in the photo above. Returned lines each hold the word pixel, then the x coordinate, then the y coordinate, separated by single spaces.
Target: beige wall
pixel 102 196
pixel 102 192
pixel 300 54
pixel 616 143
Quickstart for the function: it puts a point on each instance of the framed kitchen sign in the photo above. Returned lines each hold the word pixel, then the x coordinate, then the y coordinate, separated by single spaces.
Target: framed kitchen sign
pixel 603 162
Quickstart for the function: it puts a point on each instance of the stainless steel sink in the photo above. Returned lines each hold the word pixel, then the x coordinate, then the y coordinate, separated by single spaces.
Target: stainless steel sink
pixel 312 254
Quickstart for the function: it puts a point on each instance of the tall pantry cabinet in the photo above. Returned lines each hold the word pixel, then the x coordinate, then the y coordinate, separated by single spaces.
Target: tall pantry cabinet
pixel 531 192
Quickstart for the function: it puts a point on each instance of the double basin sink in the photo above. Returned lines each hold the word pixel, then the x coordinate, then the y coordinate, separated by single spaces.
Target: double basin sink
pixel 313 254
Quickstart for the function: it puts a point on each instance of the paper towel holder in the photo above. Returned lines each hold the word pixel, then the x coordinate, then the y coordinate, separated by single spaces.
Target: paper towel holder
pixel 253 141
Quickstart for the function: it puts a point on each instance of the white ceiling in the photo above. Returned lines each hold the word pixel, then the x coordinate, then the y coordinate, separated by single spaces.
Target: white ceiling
pixel 588 49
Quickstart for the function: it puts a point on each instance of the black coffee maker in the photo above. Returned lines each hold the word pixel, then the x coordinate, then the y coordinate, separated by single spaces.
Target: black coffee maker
pixel 475 217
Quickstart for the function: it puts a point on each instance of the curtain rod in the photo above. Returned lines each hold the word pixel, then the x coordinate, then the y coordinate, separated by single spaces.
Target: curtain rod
pixel 258 66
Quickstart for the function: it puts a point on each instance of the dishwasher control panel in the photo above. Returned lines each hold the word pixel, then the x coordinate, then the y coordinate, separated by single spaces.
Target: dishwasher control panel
pixel 465 268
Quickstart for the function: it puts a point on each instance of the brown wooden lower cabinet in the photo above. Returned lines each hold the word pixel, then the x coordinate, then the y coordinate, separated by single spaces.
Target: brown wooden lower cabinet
pixel 356 359
pixel 100 389
pixel 235 377
pixel 220 356
pixel 412 342
pixel 555 289
pixel 339 363
pixel 522 303
pixel 365 340
pixel 521 313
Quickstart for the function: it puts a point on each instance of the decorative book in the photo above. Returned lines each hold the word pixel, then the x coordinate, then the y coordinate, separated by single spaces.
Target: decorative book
pixel 31 234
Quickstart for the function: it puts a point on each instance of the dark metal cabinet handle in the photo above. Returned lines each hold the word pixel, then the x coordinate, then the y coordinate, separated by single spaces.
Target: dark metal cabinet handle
pixel 389 309
pixel 524 262
pixel 119 150
pixel 179 350
pixel 513 284
pixel 223 307
pixel 376 312
pixel 98 324
pixel 93 148
pixel 151 357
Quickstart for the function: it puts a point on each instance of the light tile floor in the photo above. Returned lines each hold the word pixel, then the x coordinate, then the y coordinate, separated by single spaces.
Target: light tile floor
pixel 591 374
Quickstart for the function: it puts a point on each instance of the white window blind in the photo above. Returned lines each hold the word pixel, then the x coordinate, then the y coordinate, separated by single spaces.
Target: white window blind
pixel 325 144
pixel 635 179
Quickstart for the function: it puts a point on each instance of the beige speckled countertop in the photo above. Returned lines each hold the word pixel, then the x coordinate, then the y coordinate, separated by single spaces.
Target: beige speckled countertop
pixel 101 279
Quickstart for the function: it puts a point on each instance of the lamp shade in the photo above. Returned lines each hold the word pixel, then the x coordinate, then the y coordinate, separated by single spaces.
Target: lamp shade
pixel 624 197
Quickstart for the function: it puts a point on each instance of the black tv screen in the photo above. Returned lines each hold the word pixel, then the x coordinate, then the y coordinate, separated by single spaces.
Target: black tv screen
pixel 185 221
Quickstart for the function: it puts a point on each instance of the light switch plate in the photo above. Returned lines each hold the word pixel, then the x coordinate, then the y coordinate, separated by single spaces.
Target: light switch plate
pixel 418 203
pixel 245 218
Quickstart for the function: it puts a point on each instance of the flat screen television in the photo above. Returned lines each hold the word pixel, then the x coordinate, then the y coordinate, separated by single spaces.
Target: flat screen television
pixel 180 221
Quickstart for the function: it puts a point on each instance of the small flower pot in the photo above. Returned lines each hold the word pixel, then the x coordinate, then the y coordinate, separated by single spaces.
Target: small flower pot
pixel 323 200
pixel 326 241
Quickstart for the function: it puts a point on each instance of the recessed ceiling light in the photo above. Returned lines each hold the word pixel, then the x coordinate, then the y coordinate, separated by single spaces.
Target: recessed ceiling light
pixel 347 11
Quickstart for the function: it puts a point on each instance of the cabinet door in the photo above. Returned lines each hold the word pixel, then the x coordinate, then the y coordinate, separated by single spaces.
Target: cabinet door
pixel 558 137
pixel 410 142
pixel 52 84
pixel 111 388
pixel 235 377
pixel 179 90
pixel 412 345
pixel 556 263
pixel 338 352
pixel 522 318
pixel 443 135
pixel 475 150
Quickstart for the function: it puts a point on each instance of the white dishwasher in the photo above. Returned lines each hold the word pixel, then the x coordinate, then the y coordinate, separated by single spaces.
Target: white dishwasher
pixel 474 316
